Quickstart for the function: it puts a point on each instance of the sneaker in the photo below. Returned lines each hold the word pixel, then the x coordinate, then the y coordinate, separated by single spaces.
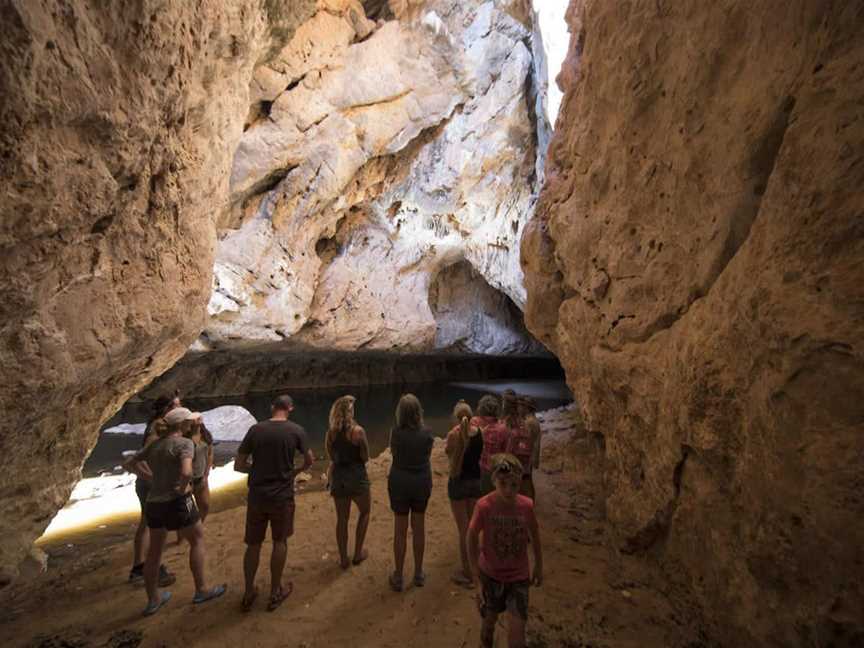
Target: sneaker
pixel 166 578
pixel 136 573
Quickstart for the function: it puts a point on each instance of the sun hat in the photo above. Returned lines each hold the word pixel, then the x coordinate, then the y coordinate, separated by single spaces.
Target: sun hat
pixel 177 416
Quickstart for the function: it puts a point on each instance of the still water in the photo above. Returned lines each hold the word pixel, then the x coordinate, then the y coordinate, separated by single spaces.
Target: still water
pixel 374 409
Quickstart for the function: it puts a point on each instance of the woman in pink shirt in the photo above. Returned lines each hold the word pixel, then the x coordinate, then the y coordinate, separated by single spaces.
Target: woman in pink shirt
pixel 494 437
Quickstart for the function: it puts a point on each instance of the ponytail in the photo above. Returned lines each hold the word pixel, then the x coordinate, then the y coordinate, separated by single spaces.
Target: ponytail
pixel 463 427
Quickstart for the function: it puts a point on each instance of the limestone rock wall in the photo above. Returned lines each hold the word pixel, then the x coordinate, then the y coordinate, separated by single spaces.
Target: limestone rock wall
pixel 696 264
pixel 118 126
pixel 377 154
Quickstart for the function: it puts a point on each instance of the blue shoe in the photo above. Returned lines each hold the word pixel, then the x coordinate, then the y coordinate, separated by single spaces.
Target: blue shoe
pixel 212 593
pixel 153 608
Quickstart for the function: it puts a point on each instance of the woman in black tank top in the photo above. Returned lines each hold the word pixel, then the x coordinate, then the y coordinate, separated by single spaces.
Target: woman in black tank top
pixel 348 451
pixel 464 447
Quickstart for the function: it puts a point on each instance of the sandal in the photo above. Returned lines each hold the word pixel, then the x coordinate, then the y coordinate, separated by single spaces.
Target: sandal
pixel 249 600
pixel 276 599
pixel 359 559
pixel 396 582
pixel 153 608
pixel 460 578
pixel 209 595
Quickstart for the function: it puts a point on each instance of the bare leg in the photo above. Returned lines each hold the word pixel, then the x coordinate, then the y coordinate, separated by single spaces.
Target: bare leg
pixel 400 542
pixel 515 631
pixel 418 532
pixel 142 542
pixel 487 630
pixel 151 564
pixel 469 513
pixel 343 513
pixel 250 567
pixel 277 565
pixel 202 499
pixel 364 505
pixel 460 514
pixel 194 535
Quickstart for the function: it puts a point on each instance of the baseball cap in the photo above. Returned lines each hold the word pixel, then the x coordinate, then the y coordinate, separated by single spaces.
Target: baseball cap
pixel 177 416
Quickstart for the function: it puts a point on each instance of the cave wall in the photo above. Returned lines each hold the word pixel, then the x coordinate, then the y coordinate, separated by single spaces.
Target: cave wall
pixel 118 125
pixel 696 265
pixel 376 153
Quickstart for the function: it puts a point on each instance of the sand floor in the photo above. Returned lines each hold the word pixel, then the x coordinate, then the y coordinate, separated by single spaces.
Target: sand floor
pixel 588 599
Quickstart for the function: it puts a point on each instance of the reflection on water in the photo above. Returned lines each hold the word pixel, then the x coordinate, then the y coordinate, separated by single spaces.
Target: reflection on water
pixel 108 505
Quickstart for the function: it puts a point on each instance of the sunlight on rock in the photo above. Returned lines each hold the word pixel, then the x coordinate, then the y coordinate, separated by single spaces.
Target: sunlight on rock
pixel 556 39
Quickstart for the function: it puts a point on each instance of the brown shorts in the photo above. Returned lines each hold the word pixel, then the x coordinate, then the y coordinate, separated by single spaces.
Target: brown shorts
pixel 280 515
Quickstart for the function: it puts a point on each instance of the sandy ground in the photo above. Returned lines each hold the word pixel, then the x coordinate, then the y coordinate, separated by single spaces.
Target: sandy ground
pixel 587 599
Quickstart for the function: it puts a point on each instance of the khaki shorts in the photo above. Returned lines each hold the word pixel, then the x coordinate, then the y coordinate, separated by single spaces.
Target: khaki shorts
pixel 279 514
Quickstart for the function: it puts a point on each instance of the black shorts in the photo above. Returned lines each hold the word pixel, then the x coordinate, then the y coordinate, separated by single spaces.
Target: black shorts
pixel 486 485
pixel 349 481
pixel 142 489
pixel 177 514
pixel 462 489
pixel 403 506
pixel 498 597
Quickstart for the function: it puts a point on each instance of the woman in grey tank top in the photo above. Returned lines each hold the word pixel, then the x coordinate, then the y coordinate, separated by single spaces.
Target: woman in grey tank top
pixel 409 485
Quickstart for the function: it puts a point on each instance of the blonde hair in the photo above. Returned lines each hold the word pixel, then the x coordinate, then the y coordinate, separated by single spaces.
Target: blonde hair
pixel 462 414
pixel 409 412
pixel 341 420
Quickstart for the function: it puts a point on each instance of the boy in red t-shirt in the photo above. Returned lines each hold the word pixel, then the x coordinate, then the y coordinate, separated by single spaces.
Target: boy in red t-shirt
pixel 500 565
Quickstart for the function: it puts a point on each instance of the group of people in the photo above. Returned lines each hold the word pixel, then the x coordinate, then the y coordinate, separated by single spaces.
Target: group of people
pixel 491 454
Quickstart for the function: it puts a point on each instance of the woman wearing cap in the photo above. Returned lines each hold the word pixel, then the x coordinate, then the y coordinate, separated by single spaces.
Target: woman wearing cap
pixel 202 462
pixel 155 428
pixel 170 507
pixel 348 451
pixel 464 447
pixel 409 485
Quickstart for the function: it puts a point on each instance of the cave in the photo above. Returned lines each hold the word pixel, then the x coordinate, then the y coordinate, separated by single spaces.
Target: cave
pixel 645 215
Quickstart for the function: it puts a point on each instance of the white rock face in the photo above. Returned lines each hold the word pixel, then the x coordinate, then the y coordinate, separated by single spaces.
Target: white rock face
pixel 376 156
pixel 226 423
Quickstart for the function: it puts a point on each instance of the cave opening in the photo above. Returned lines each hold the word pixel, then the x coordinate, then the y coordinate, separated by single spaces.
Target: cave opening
pixel 267 330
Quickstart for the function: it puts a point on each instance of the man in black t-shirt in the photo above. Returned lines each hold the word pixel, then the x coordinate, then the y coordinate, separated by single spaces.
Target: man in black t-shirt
pixel 271 445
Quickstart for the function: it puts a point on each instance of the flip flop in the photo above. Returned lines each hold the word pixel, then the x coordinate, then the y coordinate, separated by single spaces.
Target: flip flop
pixel 247 602
pixel 359 559
pixel 395 582
pixel 153 608
pixel 209 595
pixel 276 599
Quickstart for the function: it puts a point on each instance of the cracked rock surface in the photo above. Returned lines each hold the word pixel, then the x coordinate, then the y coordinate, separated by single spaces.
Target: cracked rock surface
pixel 695 264
pixel 376 155
pixel 118 126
